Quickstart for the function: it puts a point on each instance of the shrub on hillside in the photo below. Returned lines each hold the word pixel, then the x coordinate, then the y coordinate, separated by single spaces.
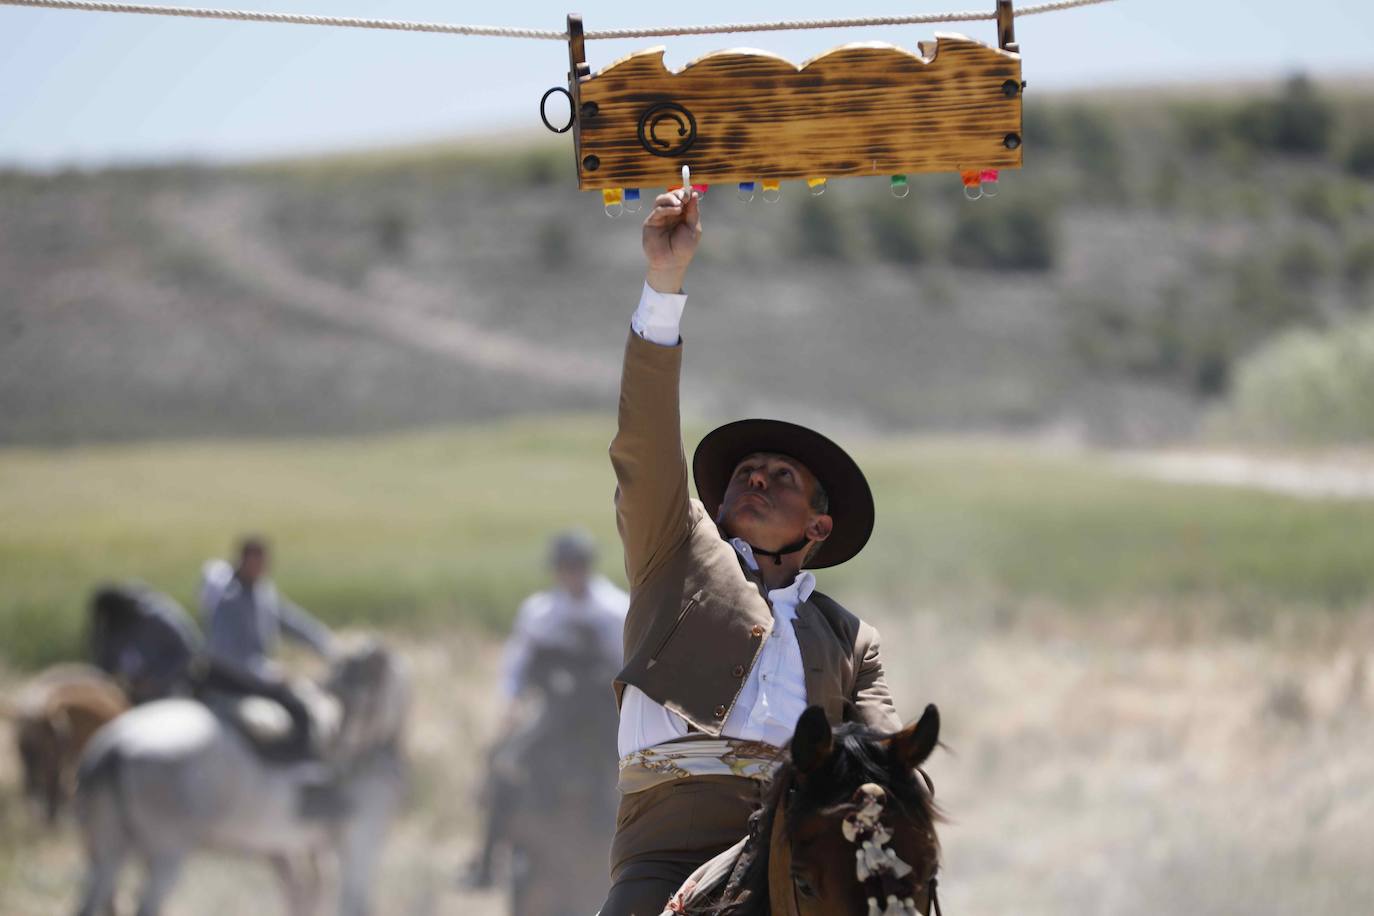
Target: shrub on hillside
pixel 1202 127
pixel 391 230
pixel 541 168
pixel 553 243
pixel 1358 269
pixel 1179 341
pixel 894 231
pixel 1300 121
pixel 820 233
pixel 1257 295
pixel 1273 288
pixel 1167 188
pixel 1009 233
pixel 1321 201
pixel 1303 263
pixel 1306 386
pixel 1040 125
pixel 1092 136
pixel 1359 158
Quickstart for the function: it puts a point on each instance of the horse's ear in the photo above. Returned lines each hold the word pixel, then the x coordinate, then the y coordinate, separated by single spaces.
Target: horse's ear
pixel 812 741
pixel 913 744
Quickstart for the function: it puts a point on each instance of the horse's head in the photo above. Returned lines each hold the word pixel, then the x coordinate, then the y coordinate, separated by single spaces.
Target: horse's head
pixel 857 827
pixel 847 827
pixel 373 687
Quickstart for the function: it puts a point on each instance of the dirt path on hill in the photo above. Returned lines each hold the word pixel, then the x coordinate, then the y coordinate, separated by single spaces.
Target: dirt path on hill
pixel 1102 768
pixel 225 225
pixel 1339 476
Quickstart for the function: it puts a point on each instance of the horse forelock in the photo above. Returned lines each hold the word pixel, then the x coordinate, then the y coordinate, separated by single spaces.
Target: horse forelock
pixel 859 757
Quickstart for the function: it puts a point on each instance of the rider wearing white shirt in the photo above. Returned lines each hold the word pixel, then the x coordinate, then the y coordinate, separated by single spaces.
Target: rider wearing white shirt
pixel 583 617
pixel 552 618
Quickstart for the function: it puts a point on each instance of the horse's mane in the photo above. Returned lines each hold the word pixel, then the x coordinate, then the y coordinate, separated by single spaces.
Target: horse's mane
pixel 859 757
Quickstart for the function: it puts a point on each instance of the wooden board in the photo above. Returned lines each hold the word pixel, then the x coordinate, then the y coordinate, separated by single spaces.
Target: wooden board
pixel 867 108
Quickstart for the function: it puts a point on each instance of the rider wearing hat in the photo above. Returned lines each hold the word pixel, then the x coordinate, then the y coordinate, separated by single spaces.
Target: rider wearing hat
pixel 727 640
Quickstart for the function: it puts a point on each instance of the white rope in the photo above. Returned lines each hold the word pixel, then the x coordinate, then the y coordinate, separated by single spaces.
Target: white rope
pixel 100 6
pixel 790 25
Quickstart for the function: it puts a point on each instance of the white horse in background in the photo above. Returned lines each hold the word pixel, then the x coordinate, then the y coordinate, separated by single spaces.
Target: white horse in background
pixel 170 777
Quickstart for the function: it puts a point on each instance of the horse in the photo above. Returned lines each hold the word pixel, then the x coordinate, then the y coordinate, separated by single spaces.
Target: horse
pixel 845 828
pixel 171 776
pixel 562 812
pixel 55 714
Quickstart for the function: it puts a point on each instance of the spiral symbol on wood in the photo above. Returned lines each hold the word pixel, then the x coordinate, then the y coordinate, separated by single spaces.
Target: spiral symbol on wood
pixel 667 129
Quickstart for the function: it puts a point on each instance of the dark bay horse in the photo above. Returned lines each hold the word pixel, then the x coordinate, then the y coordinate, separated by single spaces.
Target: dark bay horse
pixel 846 828
pixel 562 815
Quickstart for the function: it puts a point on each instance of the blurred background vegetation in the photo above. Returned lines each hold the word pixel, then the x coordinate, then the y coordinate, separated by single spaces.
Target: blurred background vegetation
pixel 1153 251
pixel 1170 267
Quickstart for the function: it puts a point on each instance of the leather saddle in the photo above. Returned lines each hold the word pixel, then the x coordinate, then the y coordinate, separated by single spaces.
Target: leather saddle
pixel 272 731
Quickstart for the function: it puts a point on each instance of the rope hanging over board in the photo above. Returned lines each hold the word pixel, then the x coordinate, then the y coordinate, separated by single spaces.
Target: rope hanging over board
pixel 751 118
pixel 348 22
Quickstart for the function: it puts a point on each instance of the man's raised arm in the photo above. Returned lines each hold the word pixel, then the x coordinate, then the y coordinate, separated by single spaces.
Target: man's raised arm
pixel 651 496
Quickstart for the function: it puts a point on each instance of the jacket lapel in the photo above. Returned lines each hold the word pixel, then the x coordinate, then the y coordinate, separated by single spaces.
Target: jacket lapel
pixel 808 626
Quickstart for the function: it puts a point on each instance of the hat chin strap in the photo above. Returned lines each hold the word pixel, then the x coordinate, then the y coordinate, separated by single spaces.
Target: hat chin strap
pixel 777 555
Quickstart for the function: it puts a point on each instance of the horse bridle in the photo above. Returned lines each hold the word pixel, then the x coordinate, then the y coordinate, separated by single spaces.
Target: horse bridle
pixel 873 860
pixel 887 880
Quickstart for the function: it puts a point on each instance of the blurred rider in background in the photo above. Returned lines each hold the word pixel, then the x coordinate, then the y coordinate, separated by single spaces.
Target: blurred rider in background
pixel 579 623
pixel 246 616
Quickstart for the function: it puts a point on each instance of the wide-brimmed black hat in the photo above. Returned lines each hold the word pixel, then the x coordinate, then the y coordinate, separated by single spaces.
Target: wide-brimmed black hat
pixel 851 502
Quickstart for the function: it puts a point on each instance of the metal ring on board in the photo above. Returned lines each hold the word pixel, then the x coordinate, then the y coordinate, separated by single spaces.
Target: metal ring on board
pixel 572 115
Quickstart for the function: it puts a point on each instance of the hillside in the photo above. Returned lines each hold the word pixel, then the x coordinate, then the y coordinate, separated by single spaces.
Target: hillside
pixel 1110 291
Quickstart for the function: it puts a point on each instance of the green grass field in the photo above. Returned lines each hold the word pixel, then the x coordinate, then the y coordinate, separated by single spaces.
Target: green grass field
pixel 437 529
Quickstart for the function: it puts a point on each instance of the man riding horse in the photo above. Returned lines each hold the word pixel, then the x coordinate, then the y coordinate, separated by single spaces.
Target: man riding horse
pixel 247 616
pixel 727 640
pixel 550 766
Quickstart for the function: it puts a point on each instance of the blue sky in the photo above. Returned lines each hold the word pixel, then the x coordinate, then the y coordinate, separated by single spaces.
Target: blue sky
pixel 92 88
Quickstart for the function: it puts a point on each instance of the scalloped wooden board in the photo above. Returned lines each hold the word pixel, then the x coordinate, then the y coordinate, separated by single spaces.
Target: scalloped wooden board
pixel 868 108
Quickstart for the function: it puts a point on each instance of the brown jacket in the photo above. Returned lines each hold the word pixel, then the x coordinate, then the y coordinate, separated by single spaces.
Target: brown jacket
pixel 698 616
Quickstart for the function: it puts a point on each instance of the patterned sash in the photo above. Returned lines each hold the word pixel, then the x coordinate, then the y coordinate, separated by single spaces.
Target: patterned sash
pixel 696 756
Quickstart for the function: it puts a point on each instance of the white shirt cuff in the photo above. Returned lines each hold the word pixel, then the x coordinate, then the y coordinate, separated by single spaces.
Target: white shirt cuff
pixel 659 316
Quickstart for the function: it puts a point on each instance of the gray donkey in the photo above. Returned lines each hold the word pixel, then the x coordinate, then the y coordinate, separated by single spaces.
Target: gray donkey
pixel 171 776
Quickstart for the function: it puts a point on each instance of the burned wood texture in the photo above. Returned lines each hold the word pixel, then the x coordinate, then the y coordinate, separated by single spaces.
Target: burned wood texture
pixel 867 108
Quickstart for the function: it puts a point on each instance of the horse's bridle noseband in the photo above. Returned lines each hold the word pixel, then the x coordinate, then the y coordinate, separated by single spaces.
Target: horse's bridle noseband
pixel 886 879
pixel 888 882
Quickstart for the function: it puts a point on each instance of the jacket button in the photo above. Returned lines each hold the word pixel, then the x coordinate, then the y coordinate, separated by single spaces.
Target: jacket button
pixel 720 712
pixel 757 631
pixel 737 671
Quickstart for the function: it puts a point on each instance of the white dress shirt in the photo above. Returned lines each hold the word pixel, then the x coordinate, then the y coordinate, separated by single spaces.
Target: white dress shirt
pixel 552 618
pixel 774 693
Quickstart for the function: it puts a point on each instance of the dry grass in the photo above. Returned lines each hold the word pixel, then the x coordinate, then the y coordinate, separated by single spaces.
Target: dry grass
pixel 1103 766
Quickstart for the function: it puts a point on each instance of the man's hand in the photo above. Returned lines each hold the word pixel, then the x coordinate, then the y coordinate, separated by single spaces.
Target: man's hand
pixel 671 233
